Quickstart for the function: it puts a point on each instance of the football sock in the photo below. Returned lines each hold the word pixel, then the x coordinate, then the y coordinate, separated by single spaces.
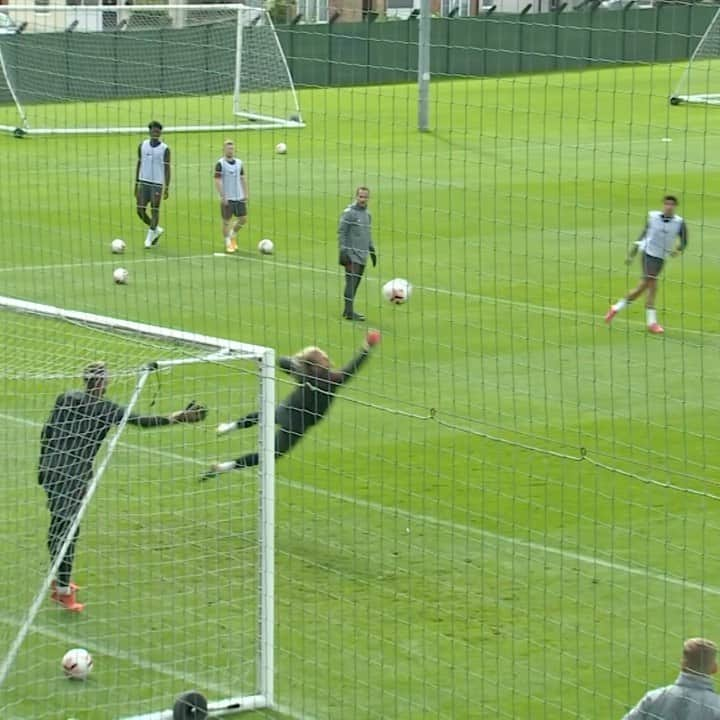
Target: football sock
pixel 249 460
pixel 651 314
pixel 620 304
pixel 249 420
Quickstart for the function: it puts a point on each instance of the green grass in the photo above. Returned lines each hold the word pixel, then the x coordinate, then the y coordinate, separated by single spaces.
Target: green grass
pixel 510 513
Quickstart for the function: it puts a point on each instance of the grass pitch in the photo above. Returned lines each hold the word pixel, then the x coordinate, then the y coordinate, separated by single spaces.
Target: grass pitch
pixel 509 513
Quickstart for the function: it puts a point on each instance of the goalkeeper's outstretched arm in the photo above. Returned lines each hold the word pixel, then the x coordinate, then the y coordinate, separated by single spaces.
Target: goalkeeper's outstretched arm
pixel 194 412
pixel 305 406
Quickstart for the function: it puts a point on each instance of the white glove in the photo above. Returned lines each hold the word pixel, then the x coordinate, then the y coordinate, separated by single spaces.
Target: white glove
pixel 227 427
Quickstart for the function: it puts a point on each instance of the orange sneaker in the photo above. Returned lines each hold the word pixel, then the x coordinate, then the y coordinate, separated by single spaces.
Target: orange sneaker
pixel 68 602
pixel 656 329
pixel 610 314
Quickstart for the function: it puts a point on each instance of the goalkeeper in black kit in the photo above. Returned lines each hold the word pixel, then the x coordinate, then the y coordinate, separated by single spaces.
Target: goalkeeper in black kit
pixel 71 438
pixel 305 406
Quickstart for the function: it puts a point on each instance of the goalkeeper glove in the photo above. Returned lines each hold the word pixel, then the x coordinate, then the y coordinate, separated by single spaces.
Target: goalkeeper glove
pixel 194 412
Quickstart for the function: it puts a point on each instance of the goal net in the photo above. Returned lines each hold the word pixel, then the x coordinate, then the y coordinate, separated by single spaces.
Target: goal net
pixel 700 82
pixel 176 573
pixel 98 69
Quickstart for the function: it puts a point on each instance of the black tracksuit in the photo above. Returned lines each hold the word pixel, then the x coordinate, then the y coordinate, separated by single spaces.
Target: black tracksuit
pixel 305 406
pixel 70 440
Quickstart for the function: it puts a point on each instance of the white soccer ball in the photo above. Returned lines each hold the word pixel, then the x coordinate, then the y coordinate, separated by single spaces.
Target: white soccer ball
pixel 281 148
pixel 77 664
pixel 397 291
pixel 266 246
pixel 120 276
pixel 118 246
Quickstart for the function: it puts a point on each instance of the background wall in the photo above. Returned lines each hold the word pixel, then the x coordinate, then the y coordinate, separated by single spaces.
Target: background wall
pixel 49 66
pixel 495 44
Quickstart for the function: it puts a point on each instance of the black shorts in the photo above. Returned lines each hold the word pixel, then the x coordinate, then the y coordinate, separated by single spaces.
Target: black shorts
pixel 149 193
pixel 651 266
pixel 238 208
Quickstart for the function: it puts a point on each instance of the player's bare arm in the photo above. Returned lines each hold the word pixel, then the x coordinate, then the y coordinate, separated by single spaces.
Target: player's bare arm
pixel 219 184
pixel 166 164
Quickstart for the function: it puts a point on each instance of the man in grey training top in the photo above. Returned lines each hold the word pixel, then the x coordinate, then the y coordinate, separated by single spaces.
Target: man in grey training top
pixel 355 244
pixel 691 696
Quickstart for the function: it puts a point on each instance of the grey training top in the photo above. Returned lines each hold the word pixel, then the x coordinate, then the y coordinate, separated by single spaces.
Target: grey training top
pixel 691 697
pixel 354 234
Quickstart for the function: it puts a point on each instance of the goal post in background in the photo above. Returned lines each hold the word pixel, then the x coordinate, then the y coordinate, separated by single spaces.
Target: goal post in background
pixel 242 595
pixel 94 69
pixel 700 82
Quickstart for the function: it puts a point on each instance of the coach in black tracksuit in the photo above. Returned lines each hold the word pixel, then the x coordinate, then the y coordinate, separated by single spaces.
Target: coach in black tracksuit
pixel 71 438
pixel 305 406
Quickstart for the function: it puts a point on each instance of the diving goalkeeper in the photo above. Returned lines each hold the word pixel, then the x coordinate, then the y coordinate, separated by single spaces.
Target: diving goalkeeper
pixel 305 406
pixel 71 438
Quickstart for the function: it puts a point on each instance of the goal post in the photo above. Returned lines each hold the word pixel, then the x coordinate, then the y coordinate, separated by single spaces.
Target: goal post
pixel 178 575
pixel 99 69
pixel 700 82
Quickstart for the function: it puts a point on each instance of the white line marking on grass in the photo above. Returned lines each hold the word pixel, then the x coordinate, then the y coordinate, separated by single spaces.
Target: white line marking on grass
pixel 647 573
pixel 69 266
pixel 136 661
pixel 410 516
pixel 116 653
pixel 532 307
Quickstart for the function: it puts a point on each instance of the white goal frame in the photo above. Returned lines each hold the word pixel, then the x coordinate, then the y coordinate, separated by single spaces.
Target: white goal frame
pixel 681 95
pixel 219 349
pixel 247 120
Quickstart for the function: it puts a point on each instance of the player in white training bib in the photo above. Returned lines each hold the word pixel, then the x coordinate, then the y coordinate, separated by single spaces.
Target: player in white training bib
pixel 231 186
pixel 152 181
pixel 659 240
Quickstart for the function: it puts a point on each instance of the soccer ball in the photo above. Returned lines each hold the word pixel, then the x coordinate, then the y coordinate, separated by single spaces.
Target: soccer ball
pixel 397 291
pixel 120 276
pixel 77 664
pixel 266 246
pixel 118 246
pixel 281 148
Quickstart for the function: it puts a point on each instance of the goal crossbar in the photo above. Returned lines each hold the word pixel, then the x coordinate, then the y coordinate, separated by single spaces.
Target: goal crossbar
pixel 701 77
pixel 214 349
pixel 252 70
pixel 238 349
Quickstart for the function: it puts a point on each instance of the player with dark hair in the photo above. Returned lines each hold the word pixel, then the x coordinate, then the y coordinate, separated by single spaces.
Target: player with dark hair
pixel 71 438
pixel 656 242
pixel 354 245
pixel 152 181
pixel 305 406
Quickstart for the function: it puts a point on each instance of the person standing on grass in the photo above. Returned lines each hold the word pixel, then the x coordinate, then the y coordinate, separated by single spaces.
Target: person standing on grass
pixel 691 696
pixel 305 407
pixel 355 244
pixel 152 181
pixel 231 186
pixel 657 241
pixel 70 440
